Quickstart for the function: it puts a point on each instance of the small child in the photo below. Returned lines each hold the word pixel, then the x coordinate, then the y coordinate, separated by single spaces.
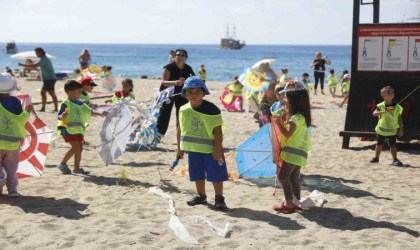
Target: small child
pixel 12 130
pixel 126 92
pixel 389 125
pixel 345 89
pixel 87 87
pixel 108 71
pixel 232 99
pixel 202 73
pixel 332 81
pixel 200 133
pixel 297 144
pixel 305 80
pixel 281 95
pixel 283 77
pixel 78 74
pixel 73 117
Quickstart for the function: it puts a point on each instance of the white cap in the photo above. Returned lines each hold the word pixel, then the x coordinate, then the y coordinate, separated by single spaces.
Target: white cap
pixel 7 83
pixel 346 76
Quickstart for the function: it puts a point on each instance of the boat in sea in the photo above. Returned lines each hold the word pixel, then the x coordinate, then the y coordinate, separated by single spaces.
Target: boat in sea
pixel 10 47
pixel 230 42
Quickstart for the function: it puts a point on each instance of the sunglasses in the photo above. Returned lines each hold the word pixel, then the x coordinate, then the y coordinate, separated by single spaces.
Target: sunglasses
pixel 181 55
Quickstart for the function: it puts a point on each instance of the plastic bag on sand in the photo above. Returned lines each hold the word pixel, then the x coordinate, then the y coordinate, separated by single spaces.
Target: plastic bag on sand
pixel 221 231
pixel 316 198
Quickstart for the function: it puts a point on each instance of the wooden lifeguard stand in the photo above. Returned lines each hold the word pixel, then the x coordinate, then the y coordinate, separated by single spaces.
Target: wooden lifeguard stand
pixel 382 54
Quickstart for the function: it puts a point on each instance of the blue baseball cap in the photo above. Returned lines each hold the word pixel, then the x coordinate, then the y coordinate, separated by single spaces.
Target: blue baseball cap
pixel 193 82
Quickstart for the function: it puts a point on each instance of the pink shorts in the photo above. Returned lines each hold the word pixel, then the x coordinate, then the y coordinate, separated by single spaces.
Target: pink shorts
pixel 69 138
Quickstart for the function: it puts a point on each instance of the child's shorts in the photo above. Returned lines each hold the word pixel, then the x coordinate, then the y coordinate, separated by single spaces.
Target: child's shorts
pixel 69 138
pixel 203 165
pixel 392 140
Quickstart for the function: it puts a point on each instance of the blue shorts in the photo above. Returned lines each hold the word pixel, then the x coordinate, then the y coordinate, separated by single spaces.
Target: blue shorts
pixel 203 165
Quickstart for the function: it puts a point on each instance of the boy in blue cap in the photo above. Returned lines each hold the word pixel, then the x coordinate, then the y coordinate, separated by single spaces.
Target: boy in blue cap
pixel 200 133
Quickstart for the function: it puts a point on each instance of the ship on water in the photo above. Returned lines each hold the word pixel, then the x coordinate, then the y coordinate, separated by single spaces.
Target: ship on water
pixel 231 42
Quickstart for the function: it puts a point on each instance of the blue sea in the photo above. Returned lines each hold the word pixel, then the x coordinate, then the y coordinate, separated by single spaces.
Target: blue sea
pixel 136 60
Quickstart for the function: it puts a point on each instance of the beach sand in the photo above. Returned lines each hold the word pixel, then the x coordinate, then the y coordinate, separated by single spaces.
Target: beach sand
pixel 370 206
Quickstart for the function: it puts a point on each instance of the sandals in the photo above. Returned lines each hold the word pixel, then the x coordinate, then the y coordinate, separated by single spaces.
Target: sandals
pixel 64 169
pixel 282 208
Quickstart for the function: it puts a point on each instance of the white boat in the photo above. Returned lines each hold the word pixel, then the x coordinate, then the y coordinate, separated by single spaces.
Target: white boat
pixel 10 47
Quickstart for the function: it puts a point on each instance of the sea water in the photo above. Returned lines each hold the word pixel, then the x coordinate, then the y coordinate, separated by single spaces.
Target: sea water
pixel 137 60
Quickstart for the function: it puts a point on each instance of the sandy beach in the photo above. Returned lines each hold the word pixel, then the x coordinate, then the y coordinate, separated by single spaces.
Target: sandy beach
pixel 369 206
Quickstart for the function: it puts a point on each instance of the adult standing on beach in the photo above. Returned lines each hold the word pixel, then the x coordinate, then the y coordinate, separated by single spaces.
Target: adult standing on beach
pixel 84 59
pixel 47 77
pixel 319 70
pixel 174 74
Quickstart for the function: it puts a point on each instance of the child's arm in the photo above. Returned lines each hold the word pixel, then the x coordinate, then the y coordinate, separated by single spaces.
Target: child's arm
pixel 218 141
pixel 102 113
pixel 401 129
pixel 179 152
pixel 287 132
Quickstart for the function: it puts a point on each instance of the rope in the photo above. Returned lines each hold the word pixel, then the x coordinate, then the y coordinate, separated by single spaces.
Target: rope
pixel 409 94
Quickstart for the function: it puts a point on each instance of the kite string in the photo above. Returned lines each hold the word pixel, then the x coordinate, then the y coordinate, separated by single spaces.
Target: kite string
pixel 409 94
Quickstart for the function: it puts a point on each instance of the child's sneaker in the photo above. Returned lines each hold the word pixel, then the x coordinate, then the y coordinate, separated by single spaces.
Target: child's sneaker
pixel 13 194
pixel 374 160
pixel 220 202
pixel 397 163
pixel 198 200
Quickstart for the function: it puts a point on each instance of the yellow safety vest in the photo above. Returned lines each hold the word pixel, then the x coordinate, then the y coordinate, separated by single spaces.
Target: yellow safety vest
pixel 202 74
pixel 197 130
pixel 388 122
pixel 332 81
pixel 235 89
pixel 346 87
pixel 85 98
pixel 12 128
pixel 77 118
pixel 297 146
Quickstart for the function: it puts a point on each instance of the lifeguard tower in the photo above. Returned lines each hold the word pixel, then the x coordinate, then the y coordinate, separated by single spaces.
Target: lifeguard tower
pixel 382 54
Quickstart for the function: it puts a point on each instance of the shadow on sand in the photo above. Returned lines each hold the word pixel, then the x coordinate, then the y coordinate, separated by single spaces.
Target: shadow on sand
pixel 66 208
pixel 341 219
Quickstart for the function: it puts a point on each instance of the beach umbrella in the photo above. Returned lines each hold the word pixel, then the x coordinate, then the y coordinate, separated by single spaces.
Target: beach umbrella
pixel 115 133
pixel 257 65
pixel 254 157
pixel 29 55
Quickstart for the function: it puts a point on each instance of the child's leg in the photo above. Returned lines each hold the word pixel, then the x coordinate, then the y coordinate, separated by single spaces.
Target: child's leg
pixel 285 180
pixel 378 150
pixel 77 155
pixel 218 188
pixel 331 92
pixel 10 163
pixel 393 152
pixel 69 153
pixel 294 178
pixel 200 186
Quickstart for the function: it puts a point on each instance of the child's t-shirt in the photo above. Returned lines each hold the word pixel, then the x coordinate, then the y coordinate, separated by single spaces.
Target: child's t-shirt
pixel 208 108
pixel 12 104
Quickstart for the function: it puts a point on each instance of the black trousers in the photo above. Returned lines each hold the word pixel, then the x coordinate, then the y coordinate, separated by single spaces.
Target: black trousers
pixel 319 77
pixel 165 113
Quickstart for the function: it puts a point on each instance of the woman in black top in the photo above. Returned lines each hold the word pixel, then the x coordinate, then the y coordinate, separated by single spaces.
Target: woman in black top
pixel 319 70
pixel 174 74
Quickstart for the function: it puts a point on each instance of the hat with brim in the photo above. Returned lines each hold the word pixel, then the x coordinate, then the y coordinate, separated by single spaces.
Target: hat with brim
pixel 293 85
pixel 7 83
pixel 347 76
pixel 88 81
pixel 194 82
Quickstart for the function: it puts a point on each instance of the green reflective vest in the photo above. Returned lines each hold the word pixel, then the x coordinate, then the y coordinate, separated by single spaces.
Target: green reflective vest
pixel 12 128
pixel 388 122
pixel 197 130
pixel 85 98
pixel 297 146
pixel 77 118
pixel 235 89
pixel 332 81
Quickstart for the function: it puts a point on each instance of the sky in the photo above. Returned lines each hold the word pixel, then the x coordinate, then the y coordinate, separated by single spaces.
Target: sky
pixel 191 21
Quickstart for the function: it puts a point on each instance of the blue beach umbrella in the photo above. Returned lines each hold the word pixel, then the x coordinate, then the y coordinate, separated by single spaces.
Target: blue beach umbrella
pixel 254 157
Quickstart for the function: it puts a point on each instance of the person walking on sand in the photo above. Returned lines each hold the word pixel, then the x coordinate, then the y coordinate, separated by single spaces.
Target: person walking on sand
pixel 12 132
pixel 319 70
pixel 73 117
pixel 200 133
pixel 389 125
pixel 174 74
pixel 345 89
pixel 202 73
pixel 332 82
pixel 47 76
pixel 295 150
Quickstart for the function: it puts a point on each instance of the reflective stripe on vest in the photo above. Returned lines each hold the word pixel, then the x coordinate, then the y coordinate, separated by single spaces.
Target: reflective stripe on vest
pixel 295 151
pixel 75 124
pixel 197 140
pixel 9 138
pixel 386 129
